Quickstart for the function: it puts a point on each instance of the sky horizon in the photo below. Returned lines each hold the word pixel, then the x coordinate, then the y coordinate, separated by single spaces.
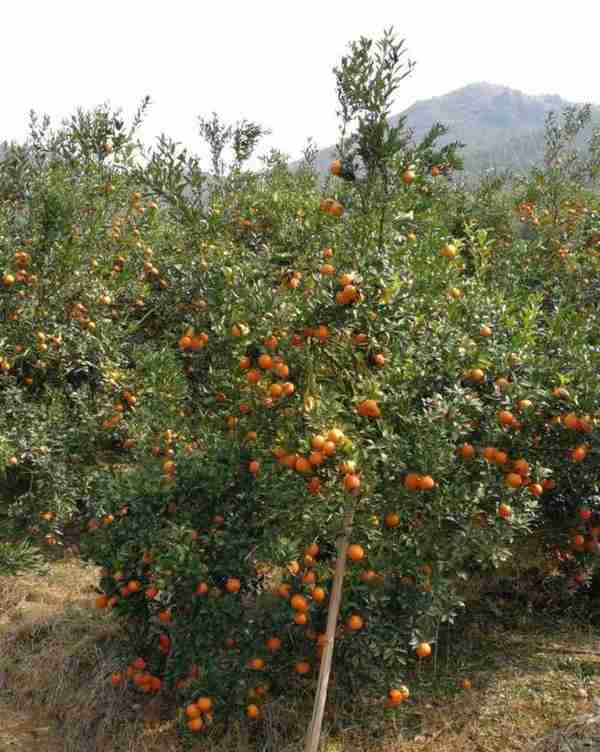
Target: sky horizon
pixel 273 64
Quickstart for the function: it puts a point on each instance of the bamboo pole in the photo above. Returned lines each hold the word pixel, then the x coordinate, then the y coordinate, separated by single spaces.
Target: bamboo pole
pixel 313 735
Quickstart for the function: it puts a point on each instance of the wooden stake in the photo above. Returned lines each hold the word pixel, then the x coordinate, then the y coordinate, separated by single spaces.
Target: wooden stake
pixel 313 736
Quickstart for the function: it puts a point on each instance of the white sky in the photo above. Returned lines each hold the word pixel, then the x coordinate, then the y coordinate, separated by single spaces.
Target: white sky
pixel 271 62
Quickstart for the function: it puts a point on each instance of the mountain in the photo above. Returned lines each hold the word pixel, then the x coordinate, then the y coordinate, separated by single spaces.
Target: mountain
pixel 501 127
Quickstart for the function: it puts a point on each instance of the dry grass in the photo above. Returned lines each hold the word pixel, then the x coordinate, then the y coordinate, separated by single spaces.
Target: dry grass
pixel 56 653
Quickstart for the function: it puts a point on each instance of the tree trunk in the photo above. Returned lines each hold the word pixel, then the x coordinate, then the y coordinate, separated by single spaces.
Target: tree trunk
pixel 313 735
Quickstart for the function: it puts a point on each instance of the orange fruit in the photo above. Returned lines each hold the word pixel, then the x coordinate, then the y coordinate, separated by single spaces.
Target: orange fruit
pixel 253 712
pixel 426 483
pixel 521 466
pixel 303 465
pixel 513 480
pixel 302 667
pixel 466 451
pixel 578 454
pixel 355 552
pixel 193 711
pixel 195 724
pixel 504 511
pixel 336 435
pixel 489 453
pixel 204 704
pixel 423 649
pixel 273 644
pixel 232 585
pixel 355 622
pixel 411 481
pixel 256 664
pixel 317 442
pixel 319 594
pixel 312 550
pixel 391 519
pixel 369 409
pixel 500 458
pixel 299 603
pixel 351 482
pixel 395 696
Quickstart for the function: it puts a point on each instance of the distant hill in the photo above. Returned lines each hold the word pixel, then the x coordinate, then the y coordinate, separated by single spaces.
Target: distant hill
pixel 501 127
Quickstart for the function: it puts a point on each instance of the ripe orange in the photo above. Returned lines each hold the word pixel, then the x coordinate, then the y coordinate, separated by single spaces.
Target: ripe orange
pixel 395 696
pixel 253 712
pixel 303 465
pixel 423 649
pixel 426 483
pixel 273 644
pixel 355 552
pixel 329 448
pixel 302 667
pixel 411 481
pixel 500 457
pixel 351 482
pixel 504 511
pixel 505 418
pixel 102 601
pixel 319 594
pixel 193 711
pixel 336 435
pixel 521 466
pixel 195 724
pixel 369 409
pixel 204 704
pixel 299 603
pixel 466 451
pixel 513 480
pixel 312 550
pixel 265 361
pixel 489 453
pixel 465 684
pixel 355 622
pixel 318 442
pixel 449 251
pixel 256 664
pixel 391 519
pixel 232 585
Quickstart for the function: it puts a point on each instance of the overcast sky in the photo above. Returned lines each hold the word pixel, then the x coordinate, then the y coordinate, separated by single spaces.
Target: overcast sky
pixel 271 62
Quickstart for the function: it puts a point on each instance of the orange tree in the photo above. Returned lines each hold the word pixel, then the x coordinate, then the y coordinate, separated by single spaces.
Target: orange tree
pixel 345 364
pixel 269 359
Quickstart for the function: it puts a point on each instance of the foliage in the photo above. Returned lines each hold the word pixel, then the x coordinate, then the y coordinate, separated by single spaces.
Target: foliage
pixel 235 363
